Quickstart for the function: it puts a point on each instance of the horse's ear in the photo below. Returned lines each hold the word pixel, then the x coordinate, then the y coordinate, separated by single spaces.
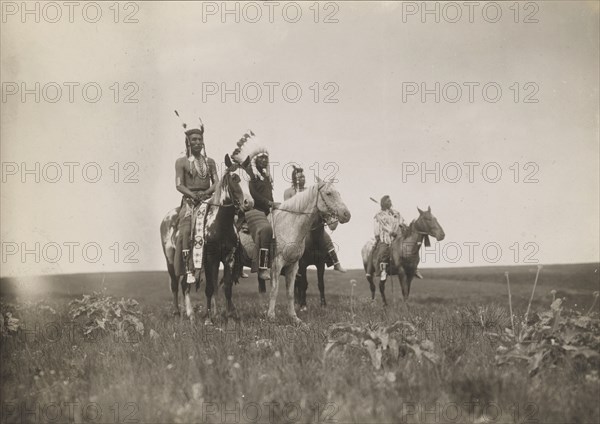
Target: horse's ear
pixel 228 162
pixel 246 163
pixel 428 208
pixel 420 211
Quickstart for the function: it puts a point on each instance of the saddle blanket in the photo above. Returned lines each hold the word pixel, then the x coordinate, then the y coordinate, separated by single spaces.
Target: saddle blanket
pixel 199 218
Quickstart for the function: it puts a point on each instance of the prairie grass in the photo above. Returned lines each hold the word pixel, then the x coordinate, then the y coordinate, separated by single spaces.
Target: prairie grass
pixel 258 371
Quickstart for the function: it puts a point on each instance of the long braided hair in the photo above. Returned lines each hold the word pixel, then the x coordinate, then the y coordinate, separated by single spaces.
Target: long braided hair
pixel 297 170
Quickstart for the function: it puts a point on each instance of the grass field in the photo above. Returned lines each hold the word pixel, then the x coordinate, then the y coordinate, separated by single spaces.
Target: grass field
pixel 261 371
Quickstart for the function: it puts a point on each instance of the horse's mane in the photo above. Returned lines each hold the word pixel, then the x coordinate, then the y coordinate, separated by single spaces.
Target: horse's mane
pixel 299 202
pixel 216 197
pixel 411 227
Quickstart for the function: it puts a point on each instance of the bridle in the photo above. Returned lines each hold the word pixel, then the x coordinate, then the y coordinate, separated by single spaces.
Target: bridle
pixel 331 212
pixel 227 186
pixel 234 201
pixel 424 234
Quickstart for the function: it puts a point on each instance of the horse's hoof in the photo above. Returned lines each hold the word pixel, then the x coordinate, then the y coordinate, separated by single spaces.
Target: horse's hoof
pixel 323 303
pixel 303 308
pixel 234 314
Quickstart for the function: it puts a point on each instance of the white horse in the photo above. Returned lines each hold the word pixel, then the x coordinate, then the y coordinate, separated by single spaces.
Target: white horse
pixel 291 223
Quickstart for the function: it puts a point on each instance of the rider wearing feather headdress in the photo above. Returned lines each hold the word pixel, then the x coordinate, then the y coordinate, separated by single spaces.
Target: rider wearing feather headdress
pixel 261 190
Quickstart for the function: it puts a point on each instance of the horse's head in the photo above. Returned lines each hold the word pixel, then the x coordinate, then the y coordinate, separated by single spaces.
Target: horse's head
pixel 331 206
pixel 231 189
pixel 428 224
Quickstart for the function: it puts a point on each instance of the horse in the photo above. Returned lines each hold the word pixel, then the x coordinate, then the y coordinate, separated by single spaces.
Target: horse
pixel 292 222
pixel 314 254
pixel 404 257
pixel 220 242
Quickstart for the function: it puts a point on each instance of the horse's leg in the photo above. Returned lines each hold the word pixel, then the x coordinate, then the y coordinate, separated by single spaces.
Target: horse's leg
pixel 404 284
pixel 382 290
pixel 372 287
pixel 209 290
pixel 262 288
pixel 290 277
pixel 174 289
pixel 302 285
pixel 409 279
pixel 405 279
pixel 216 294
pixel 370 271
pixel 230 311
pixel 276 269
pixel 304 288
pixel 185 291
pixel 298 283
pixel 228 287
pixel 297 288
pixel 320 275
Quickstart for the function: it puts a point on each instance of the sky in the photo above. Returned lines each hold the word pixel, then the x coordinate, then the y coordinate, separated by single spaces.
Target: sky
pixel 512 173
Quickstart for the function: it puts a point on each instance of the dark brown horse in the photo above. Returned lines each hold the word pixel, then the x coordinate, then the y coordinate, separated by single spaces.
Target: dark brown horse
pixel 404 252
pixel 220 242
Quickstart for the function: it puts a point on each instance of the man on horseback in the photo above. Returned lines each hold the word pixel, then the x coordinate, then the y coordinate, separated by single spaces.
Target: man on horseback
pixel 261 190
pixel 195 178
pixel 388 223
pixel 325 242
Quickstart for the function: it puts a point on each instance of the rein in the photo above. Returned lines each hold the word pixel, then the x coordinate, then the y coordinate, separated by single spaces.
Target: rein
pixel 424 235
pixel 220 205
pixel 319 195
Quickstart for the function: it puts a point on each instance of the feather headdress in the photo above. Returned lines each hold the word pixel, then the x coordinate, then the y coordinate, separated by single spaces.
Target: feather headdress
pixel 189 130
pixel 250 147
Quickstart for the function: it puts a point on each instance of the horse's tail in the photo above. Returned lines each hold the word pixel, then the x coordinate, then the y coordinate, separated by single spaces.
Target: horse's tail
pixel 168 229
pixel 366 253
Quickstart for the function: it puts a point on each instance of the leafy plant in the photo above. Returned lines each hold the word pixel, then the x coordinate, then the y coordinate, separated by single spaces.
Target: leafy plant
pixel 547 339
pixel 104 314
pixel 8 323
pixel 382 344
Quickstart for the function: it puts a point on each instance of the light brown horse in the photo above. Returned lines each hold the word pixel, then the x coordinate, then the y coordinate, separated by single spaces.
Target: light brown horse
pixel 404 255
pixel 292 222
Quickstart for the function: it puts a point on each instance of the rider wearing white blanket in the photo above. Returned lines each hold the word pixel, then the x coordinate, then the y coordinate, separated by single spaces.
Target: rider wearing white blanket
pixel 388 224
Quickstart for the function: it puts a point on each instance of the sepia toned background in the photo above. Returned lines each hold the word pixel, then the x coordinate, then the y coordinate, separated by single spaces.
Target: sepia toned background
pixel 170 56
